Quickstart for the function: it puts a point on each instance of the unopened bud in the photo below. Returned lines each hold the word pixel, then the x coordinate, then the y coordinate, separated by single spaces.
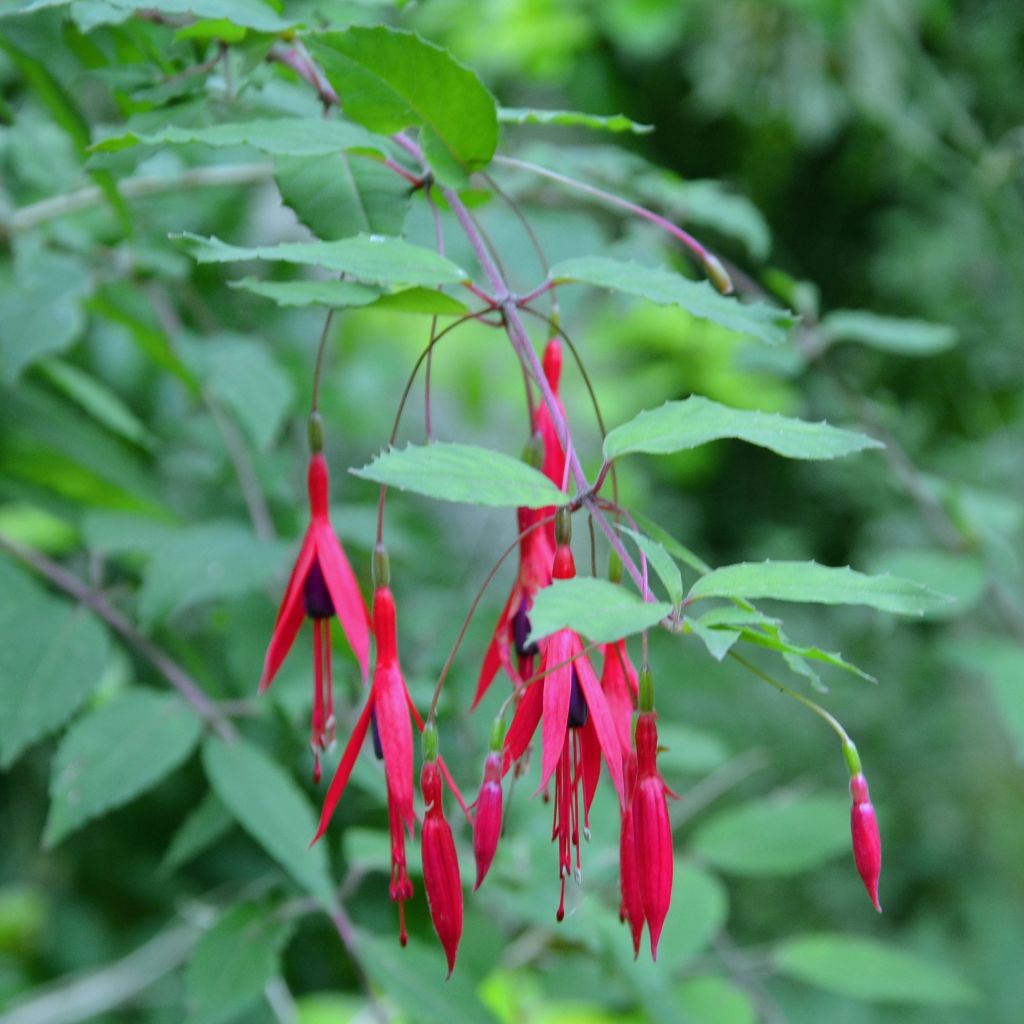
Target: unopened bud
pixel 645 685
pixel 429 741
pixel 867 844
pixel 717 274
pixel 533 452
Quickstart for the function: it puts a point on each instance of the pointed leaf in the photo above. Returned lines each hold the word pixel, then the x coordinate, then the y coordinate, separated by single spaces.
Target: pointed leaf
pixel 392 80
pixel 115 753
pixel 600 610
pixel 272 809
pixel 464 473
pixel 677 426
pixel 605 123
pixel 667 288
pixel 887 333
pixel 662 563
pixel 820 584
pixel 205 824
pixel 366 257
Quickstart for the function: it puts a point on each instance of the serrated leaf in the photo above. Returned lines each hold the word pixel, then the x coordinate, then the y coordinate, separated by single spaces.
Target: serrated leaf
pixel 818 584
pixel 335 294
pixel 279 136
pixel 605 123
pixel 718 641
pixel 272 809
pixel 867 969
pixel 598 609
pixel 661 561
pixel 52 655
pixel 393 80
pixel 677 426
pixel 253 14
pixel 232 962
pixel 774 639
pixel 206 823
pixel 114 754
pixel 772 837
pixel 366 257
pixel 667 288
pixel 202 563
pixel 887 334
pixel 343 194
pixel 464 473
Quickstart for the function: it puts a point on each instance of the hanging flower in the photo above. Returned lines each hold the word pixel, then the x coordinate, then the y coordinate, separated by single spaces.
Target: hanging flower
pixel 321 586
pixel 553 465
pixel 441 877
pixel 487 819
pixel 577 729
pixel 388 708
pixel 631 901
pixel 867 845
pixel 618 681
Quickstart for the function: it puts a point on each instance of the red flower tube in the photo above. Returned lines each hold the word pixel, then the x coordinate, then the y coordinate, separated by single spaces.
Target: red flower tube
pixel 321 586
pixel 631 904
pixel 440 866
pixel 867 845
pixel 487 820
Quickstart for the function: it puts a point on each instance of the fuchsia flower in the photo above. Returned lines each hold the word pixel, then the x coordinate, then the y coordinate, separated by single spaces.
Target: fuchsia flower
pixel 487 820
pixel 578 729
pixel 388 711
pixel 536 553
pixel 652 831
pixel 440 865
pixel 321 586
pixel 867 845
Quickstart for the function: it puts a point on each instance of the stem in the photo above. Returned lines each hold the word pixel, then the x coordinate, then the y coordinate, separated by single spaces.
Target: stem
pixel 439 235
pixel 650 216
pixel 315 404
pixel 96 602
pixel 472 610
pixel 140 187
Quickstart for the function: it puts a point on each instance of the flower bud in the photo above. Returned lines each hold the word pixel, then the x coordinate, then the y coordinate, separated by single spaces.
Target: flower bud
pixel 867 846
pixel 487 821
pixel 440 866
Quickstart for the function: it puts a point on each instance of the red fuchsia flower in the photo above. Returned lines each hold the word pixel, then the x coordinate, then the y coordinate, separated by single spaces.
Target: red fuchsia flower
pixel 553 465
pixel 440 862
pixel 321 586
pixel 387 710
pixel 487 820
pixel 631 900
pixel 618 681
pixel 577 729
pixel 867 845
pixel 652 828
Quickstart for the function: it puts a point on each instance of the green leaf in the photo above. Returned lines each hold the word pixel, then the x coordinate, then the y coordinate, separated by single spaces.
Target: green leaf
pixel 343 194
pixel 867 969
pixel 820 584
pixel 253 14
pixel 394 80
pixel 272 809
pixel 232 963
pixel 114 754
pixel 661 561
pixel 420 300
pixel 336 294
pixel 246 378
pixel 52 655
pixel 772 837
pixel 887 334
pixel 718 641
pixel 464 473
pixel 102 404
pixel 676 549
pixel 1001 662
pixel 203 563
pixel 711 999
pixel 963 576
pixel 207 822
pixel 280 136
pixel 667 288
pixel 367 257
pixel 677 426
pixel 40 310
pixel 600 610
pixel 774 639
pixel 612 123
pixel 414 978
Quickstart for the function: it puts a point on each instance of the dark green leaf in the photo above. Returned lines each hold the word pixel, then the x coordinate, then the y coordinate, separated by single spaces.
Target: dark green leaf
pixel 272 809
pixel 612 123
pixel 115 753
pixel 667 288
pixel 233 962
pixel 677 426
pixel 464 473
pixel 600 610
pixel 206 823
pixel 867 969
pixel 394 80
pixel 888 334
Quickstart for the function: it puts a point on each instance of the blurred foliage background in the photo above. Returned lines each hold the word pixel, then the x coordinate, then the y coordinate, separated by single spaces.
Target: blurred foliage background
pixel 843 155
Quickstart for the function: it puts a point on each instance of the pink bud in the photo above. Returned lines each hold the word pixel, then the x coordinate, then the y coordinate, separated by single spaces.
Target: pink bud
pixel 867 846
pixel 652 830
pixel 487 822
pixel 631 906
pixel 440 866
